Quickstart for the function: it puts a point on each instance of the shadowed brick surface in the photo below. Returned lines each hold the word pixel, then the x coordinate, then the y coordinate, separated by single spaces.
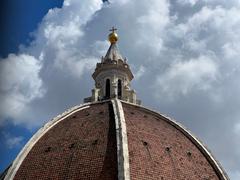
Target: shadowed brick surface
pixel 157 150
pixel 82 146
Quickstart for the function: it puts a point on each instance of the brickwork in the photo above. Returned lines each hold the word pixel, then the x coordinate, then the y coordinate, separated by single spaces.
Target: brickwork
pixel 158 150
pixel 82 146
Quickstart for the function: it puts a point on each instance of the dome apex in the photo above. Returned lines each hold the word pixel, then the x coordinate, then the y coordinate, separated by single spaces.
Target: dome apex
pixel 113 37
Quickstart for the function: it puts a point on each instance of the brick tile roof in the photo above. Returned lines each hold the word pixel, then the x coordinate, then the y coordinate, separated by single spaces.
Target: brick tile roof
pixel 81 146
pixel 158 150
pixel 84 144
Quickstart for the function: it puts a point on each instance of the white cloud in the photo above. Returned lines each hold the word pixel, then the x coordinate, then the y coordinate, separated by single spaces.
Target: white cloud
pixel 60 36
pixel 237 129
pixel 202 30
pixel 58 47
pixel 12 141
pixel 100 48
pixel 185 76
pixel 186 2
pixel 151 24
pixel 20 84
pixel 140 72
pixel 118 2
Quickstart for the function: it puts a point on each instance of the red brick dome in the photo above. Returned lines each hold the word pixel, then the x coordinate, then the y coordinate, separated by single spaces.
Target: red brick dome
pixel 114 140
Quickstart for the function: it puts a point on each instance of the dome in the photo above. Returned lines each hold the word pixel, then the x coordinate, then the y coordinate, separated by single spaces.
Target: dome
pixel 111 140
pixel 112 137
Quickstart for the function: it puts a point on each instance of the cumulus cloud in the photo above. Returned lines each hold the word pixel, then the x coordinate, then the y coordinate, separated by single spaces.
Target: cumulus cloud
pixel 20 84
pixel 12 141
pixel 58 47
pixel 187 2
pixel 237 129
pixel 140 72
pixel 185 76
pixel 60 37
pixel 151 24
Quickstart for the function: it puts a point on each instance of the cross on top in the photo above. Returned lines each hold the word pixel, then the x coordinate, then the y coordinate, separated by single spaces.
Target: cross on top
pixel 113 29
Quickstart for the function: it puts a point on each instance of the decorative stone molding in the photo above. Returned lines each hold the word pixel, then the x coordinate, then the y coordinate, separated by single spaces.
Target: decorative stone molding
pixel 122 142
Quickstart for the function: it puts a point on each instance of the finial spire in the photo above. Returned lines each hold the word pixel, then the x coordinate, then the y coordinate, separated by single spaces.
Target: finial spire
pixel 113 29
pixel 113 37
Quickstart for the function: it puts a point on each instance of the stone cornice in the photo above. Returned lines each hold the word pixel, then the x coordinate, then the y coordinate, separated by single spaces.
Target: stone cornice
pixel 113 65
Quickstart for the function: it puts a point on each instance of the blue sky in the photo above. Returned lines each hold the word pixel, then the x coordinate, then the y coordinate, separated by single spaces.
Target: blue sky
pixel 18 19
pixel 184 55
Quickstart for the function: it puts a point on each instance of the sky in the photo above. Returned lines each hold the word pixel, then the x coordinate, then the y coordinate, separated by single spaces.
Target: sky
pixel 184 55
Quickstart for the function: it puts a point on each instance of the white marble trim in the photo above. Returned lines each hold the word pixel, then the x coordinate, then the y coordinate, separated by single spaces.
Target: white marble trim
pixel 122 141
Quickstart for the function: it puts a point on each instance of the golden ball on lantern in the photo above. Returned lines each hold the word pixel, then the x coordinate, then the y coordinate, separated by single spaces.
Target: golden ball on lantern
pixel 113 37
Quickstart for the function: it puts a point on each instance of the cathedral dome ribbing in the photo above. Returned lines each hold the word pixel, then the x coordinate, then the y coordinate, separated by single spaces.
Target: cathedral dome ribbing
pixel 112 140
